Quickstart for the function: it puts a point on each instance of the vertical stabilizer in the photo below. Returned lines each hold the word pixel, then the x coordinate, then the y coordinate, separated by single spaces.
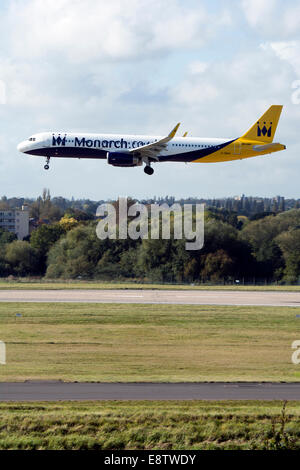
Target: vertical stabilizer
pixel 264 129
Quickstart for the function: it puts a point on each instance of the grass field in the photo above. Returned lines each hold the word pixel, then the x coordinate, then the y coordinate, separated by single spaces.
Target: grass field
pixel 154 425
pixel 61 285
pixel 123 342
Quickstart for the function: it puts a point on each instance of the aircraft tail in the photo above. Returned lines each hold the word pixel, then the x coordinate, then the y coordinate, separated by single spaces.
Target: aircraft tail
pixel 264 129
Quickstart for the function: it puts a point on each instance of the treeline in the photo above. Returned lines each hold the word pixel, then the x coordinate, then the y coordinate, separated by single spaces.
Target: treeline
pixel 51 209
pixel 236 248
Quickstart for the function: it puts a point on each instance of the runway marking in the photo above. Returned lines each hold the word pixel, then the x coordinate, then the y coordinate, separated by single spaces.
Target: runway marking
pixel 232 298
pixel 54 391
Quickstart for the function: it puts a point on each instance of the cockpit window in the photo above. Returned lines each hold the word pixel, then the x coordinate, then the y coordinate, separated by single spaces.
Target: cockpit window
pixel 32 139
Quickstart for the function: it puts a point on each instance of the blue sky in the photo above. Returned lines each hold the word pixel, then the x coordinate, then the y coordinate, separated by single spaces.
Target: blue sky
pixel 141 66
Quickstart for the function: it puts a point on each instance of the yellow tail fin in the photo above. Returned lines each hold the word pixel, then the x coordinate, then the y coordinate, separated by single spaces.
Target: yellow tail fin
pixel 264 129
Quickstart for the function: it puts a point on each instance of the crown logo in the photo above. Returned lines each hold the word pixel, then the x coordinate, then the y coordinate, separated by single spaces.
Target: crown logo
pixel 59 140
pixel 264 130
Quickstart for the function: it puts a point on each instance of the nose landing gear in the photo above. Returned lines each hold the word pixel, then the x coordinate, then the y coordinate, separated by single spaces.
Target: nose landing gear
pixel 148 170
pixel 46 167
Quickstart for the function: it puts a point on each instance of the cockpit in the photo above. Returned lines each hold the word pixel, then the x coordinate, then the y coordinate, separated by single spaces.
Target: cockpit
pixel 30 144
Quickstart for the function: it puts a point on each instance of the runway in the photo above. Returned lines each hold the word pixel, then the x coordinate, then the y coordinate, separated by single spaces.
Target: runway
pixel 59 391
pixel 180 297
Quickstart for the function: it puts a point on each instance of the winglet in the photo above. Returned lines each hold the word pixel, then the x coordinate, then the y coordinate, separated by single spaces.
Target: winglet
pixel 185 134
pixel 173 133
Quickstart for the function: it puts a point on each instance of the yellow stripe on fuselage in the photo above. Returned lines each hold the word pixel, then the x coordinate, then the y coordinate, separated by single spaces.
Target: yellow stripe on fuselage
pixel 238 150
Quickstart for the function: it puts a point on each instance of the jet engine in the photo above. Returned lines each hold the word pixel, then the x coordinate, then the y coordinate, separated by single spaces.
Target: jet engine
pixel 123 159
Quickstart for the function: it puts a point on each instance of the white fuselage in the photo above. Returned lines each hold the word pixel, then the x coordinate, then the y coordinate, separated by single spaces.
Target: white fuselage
pixel 79 145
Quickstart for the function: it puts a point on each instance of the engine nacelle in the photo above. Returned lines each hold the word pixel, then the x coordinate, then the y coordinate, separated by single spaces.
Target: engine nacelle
pixel 123 159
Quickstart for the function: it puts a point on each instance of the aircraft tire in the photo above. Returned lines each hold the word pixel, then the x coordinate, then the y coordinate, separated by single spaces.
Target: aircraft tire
pixel 148 170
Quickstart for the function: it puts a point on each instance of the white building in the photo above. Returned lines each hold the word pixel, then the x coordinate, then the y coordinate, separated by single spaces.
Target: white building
pixel 16 221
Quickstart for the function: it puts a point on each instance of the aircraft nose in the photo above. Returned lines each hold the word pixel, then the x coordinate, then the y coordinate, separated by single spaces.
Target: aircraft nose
pixel 21 147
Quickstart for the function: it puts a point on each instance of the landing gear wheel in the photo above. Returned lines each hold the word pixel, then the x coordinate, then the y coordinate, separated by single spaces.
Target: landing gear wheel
pixel 46 167
pixel 148 170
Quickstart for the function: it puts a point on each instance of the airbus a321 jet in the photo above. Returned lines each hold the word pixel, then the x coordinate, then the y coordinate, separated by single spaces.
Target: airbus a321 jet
pixel 136 150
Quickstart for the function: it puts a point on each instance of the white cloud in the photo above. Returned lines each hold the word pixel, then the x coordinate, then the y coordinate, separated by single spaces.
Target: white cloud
pixel 290 18
pixel 224 97
pixel 23 83
pixel 258 12
pixel 288 51
pixel 274 18
pixel 197 67
pixel 85 30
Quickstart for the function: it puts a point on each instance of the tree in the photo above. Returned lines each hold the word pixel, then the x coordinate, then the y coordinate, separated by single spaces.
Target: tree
pixel 79 215
pixel 67 223
pixel 22 258
pixel 6 237
pixel 262 236
pixel 81 254
pixel 155 260
pixel 45 236
pixel 217 266
pixel 289 242
pixel 76 254
pixel 42 239
pixel 43 208
pixel 223 239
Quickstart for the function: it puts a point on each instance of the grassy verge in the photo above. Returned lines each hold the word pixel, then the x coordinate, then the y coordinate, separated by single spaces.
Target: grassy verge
pixel 150 425
pixel 124 342
pixel 61 285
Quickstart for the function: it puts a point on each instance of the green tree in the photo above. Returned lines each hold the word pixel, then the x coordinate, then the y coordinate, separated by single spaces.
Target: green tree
pixel 217 266
pixel 262 236
pixel 22 258
pixel 224 241
pixel 45 236
pixel 155 260
pixel 77 254
pixel 42 239
pixel 289 242
pixel 6 237
pixel 43 208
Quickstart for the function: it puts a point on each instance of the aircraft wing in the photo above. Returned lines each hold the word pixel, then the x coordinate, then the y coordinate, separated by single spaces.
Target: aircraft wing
pixel 151 151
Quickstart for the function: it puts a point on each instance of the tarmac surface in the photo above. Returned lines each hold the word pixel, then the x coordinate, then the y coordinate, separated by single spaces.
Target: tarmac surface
pixel 180 297
pixel 60 391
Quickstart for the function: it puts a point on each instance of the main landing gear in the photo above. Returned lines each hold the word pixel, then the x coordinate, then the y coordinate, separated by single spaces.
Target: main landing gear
pixel 46 167
pixel 148 170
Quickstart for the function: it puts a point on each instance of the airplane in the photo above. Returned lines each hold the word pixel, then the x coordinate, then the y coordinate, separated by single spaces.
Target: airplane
pixel 136 150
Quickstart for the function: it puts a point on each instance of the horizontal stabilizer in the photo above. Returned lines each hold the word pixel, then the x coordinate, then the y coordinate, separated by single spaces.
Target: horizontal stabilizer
pixel 264 148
